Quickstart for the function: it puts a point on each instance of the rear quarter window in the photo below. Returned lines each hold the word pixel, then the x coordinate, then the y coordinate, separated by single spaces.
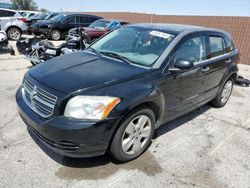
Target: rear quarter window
pixel 5 13
pixel 217 46
pixel 92 19
pixel 83 20
pixel 229 45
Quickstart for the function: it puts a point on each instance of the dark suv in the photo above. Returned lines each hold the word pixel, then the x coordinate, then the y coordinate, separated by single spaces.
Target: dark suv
pixel 58 26
pixel 112 96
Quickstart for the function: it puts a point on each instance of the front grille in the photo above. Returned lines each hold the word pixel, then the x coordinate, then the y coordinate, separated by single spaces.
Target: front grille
pixel 39 100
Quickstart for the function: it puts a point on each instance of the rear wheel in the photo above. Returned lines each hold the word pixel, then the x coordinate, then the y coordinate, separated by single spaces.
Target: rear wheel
pixel 134 135
pixel 224 94
pixel 55 34
pixel 14 33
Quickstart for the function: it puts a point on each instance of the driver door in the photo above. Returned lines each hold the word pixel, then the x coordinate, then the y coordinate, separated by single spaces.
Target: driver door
pixel 182 89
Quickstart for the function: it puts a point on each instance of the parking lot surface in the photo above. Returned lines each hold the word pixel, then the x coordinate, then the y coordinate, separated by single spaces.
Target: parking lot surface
pixel 208 147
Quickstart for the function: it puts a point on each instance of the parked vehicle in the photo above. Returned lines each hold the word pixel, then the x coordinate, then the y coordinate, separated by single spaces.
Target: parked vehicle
pixel 112 96
pixel 61 24
pixel 101 27
pixel 40 17
pixel 38 51
pixel 15 27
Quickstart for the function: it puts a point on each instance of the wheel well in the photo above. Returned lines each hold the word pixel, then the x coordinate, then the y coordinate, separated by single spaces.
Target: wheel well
pixel 233 76
pixel 14 27
pixel 151 105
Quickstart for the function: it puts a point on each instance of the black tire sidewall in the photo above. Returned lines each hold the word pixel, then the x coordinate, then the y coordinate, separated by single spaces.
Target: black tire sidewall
pixel 116 148
pixel 219 97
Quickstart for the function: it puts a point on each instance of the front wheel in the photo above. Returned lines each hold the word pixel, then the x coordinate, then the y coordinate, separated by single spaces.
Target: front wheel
pixel 224 94
pixel 55 34
pixel 134 135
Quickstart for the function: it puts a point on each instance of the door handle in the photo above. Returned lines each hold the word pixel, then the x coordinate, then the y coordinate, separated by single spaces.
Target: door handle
pixel 205 69
pixel 228 61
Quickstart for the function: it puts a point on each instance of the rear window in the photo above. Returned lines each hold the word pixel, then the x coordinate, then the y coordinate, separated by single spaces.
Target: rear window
pixel 6 13
pixel 92 19
pixel 229 45
pixel 217 46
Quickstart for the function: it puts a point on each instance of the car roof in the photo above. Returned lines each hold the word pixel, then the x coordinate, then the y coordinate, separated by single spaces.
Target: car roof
pixel 29 11
pixel 109 20
pixel 177 28
pixel 70 13
pixel 8 9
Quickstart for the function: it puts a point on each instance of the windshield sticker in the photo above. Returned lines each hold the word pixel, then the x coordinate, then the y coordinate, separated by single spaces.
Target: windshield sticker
pixel 161 34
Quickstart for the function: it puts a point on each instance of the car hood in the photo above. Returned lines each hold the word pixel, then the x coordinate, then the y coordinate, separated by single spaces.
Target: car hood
pixel 44 22
pixel 83 71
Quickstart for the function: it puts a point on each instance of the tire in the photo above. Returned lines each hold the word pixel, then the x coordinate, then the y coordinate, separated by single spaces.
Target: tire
pixel 55 34
pixel 224 95
pixel 129 143
pixel 14 33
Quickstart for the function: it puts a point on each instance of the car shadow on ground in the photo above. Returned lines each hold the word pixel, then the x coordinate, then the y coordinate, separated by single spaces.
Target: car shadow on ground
pixel 4 51
pixel 106 159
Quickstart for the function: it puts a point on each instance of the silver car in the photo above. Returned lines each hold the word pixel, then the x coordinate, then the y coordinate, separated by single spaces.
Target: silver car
pixel 14 25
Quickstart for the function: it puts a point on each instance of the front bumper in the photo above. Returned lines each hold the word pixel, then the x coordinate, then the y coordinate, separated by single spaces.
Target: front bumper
pixel 66 136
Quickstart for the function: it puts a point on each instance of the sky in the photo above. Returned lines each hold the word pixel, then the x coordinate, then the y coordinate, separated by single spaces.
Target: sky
pixel 165 7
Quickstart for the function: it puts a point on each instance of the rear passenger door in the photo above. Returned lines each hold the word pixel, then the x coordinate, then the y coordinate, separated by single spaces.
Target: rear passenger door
pixel 218 60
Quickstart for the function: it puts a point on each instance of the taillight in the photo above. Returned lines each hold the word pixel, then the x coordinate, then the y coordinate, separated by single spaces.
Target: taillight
pixel 22 19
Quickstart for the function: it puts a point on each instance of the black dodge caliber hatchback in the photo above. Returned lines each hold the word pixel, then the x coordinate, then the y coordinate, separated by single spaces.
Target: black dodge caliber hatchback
pixel 112 96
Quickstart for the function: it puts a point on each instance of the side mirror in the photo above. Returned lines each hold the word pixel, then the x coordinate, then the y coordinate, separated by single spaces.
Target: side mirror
pixel 182 65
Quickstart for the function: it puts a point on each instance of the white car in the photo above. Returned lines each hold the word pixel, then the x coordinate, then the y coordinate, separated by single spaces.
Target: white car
pixel 13 23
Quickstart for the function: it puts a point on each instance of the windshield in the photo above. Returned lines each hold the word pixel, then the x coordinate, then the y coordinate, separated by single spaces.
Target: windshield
pixel 99 24
pixel 139 45
pixel 58 17
pixel 36 15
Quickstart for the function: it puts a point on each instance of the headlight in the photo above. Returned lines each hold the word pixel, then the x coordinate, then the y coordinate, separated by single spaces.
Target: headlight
pixel 90 107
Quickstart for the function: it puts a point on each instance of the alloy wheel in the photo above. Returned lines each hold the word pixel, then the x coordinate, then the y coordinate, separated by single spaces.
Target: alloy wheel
pixel 14 34
pixel 226 92
pixel 136 135
pixel 56 35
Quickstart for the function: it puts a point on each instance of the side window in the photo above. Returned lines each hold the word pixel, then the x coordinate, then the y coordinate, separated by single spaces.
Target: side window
pixel 84 19
pixel 217 46
pixel 5 13
pixel 70 19
pixel 193 50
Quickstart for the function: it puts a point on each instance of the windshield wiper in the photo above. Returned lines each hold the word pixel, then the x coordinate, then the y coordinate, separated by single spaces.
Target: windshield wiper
pixel 115 55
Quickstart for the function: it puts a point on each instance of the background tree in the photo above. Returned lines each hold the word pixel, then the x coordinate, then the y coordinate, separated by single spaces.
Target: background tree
pixel 43 10
pixel 24 5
